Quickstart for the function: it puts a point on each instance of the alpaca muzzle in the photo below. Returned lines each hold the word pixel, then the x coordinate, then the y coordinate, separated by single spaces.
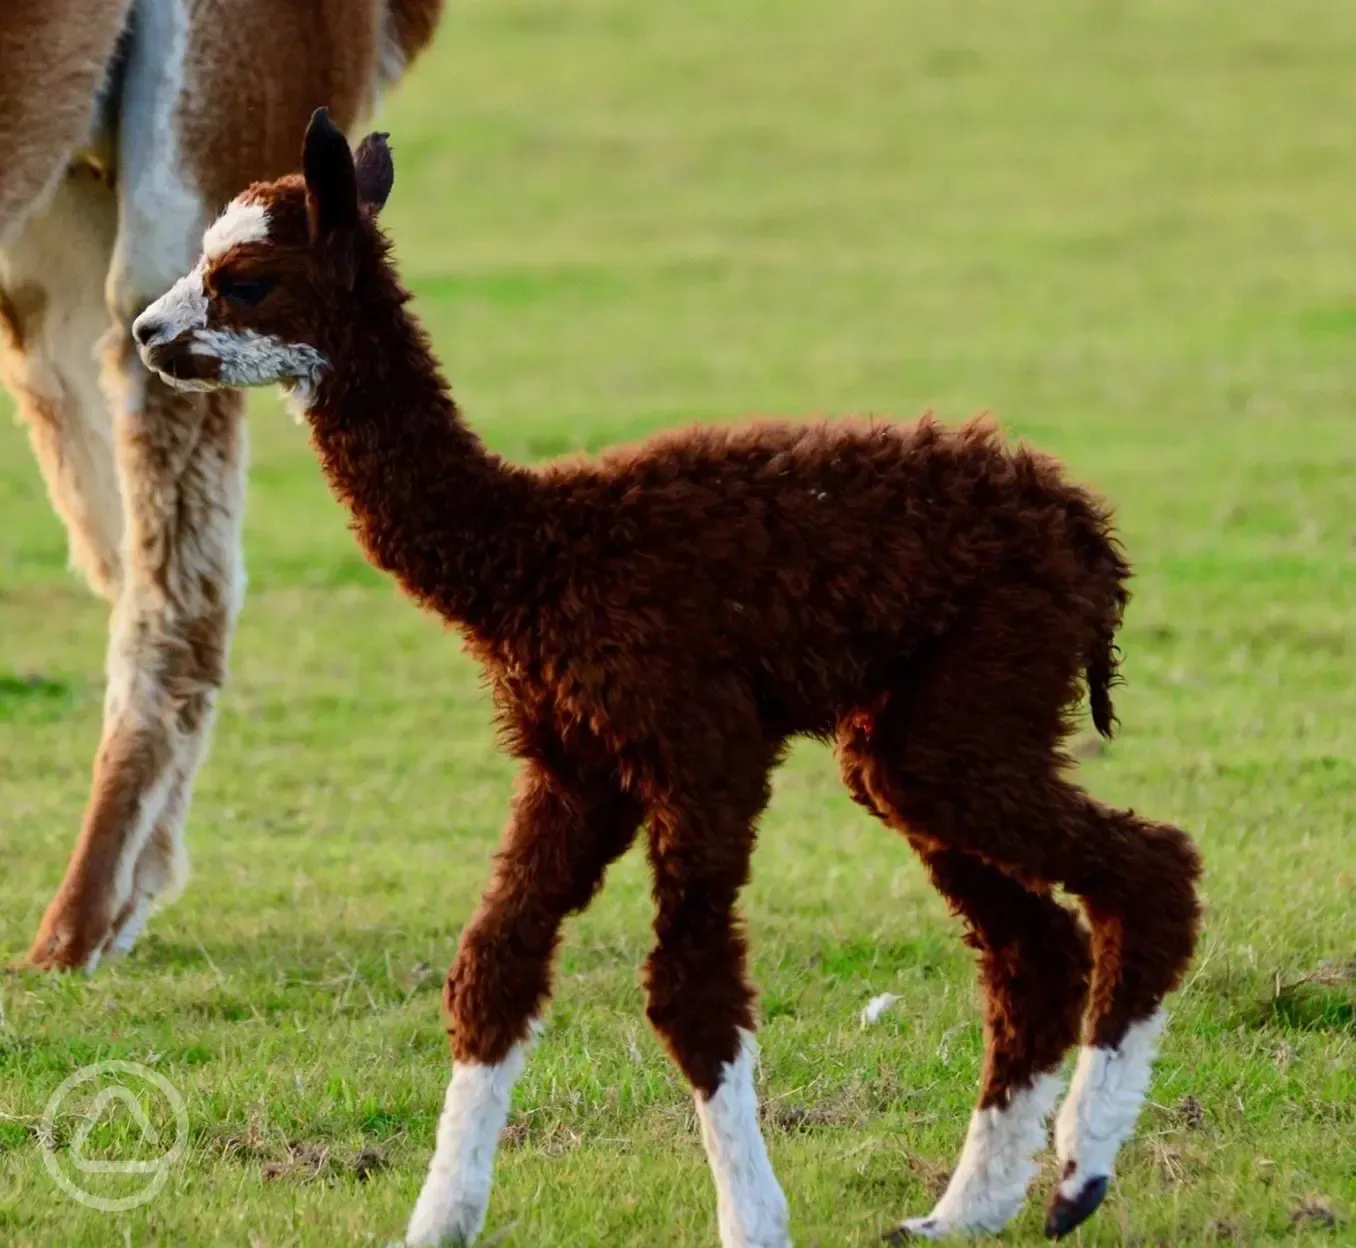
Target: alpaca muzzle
pixel 180 365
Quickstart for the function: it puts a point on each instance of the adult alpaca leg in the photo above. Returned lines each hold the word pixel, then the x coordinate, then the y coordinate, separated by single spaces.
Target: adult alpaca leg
pixel 51 319
pixel 700 1001
pixel 162 866
pixel 53 315
pixel 562 833
pixel 191 662
pixel 55 55
pixel 181 460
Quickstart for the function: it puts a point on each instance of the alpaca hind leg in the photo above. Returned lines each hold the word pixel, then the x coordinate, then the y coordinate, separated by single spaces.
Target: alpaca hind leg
pixel 968 758
pixel 562 834
pixel 700 1001
pixel 1114 863
pixel 1034 963
pixel 1137 884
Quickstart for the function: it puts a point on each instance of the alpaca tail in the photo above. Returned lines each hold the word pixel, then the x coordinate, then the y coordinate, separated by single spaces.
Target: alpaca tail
pixel 1108 575
pixel 1103 672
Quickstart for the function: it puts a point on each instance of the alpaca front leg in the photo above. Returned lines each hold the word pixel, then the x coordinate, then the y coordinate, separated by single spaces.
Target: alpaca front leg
pixel 181 461
pixel 456 1194
pixel 180 470
pixel 701 1005
pixel 751 1210
pixel 561 835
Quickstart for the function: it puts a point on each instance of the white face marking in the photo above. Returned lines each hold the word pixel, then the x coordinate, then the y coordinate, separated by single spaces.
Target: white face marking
pixel 451 1207
pixel 751 1209
pixel 181 309
pixel 996 1165
pixel 245 356
pixel 1098 1115
pixel 241 223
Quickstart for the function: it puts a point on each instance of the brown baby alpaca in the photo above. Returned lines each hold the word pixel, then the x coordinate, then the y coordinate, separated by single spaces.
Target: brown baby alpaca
pixel 658 623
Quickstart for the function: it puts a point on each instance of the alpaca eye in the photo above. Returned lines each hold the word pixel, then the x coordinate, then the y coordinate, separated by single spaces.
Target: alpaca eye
pixel 244 292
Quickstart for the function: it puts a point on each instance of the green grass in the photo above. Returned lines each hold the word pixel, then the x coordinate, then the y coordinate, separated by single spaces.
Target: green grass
pixel 1127 227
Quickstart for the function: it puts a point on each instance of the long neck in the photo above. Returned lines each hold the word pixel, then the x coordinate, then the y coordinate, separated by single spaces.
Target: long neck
pixel 431 505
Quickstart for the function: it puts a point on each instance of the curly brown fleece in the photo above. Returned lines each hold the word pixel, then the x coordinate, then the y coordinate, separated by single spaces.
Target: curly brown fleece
pixel 658 623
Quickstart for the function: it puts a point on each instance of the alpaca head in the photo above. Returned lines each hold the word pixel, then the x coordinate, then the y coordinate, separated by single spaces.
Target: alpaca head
pixel 272 297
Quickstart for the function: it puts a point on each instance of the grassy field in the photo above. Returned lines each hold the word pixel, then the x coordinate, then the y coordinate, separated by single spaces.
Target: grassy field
pixel 1126 227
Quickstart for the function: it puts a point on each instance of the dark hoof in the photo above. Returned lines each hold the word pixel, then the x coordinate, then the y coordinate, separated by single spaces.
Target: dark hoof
pixel 1066 1215
pixel 902 1234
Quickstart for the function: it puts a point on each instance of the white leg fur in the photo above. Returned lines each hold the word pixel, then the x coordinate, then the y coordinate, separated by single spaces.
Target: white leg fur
pixel 751 1208
pixel 1098 1115
pixel 996 1165
pixel 451 1208
pixel 125 937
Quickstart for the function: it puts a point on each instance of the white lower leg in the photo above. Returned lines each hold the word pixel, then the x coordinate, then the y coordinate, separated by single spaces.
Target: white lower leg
pixel 125 937
pixel 1098 1115
pixel 751 1208
pixel 162 867
pixel 996 1165
pixel 121 886
pixel 451 1207
pixel 131 899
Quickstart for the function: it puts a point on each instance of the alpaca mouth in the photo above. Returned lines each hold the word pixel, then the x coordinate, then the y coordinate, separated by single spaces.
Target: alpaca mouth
pixel 181 367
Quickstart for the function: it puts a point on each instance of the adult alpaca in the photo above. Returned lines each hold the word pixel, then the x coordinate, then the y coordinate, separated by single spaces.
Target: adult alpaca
pixel 656 625
pixel 125 125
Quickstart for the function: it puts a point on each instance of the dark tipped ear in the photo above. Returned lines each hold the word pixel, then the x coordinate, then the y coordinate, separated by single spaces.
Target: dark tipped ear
pixel 331 183
pixel 375 171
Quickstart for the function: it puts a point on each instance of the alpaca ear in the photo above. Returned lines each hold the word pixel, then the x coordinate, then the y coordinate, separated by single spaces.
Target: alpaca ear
pixel 331 183
pixel 375 171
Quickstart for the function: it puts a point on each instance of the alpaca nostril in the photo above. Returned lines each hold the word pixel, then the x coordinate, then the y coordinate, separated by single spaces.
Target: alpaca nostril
pixel 144 329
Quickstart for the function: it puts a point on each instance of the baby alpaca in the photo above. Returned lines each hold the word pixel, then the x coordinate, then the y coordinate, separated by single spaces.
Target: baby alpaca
pixel 656 626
